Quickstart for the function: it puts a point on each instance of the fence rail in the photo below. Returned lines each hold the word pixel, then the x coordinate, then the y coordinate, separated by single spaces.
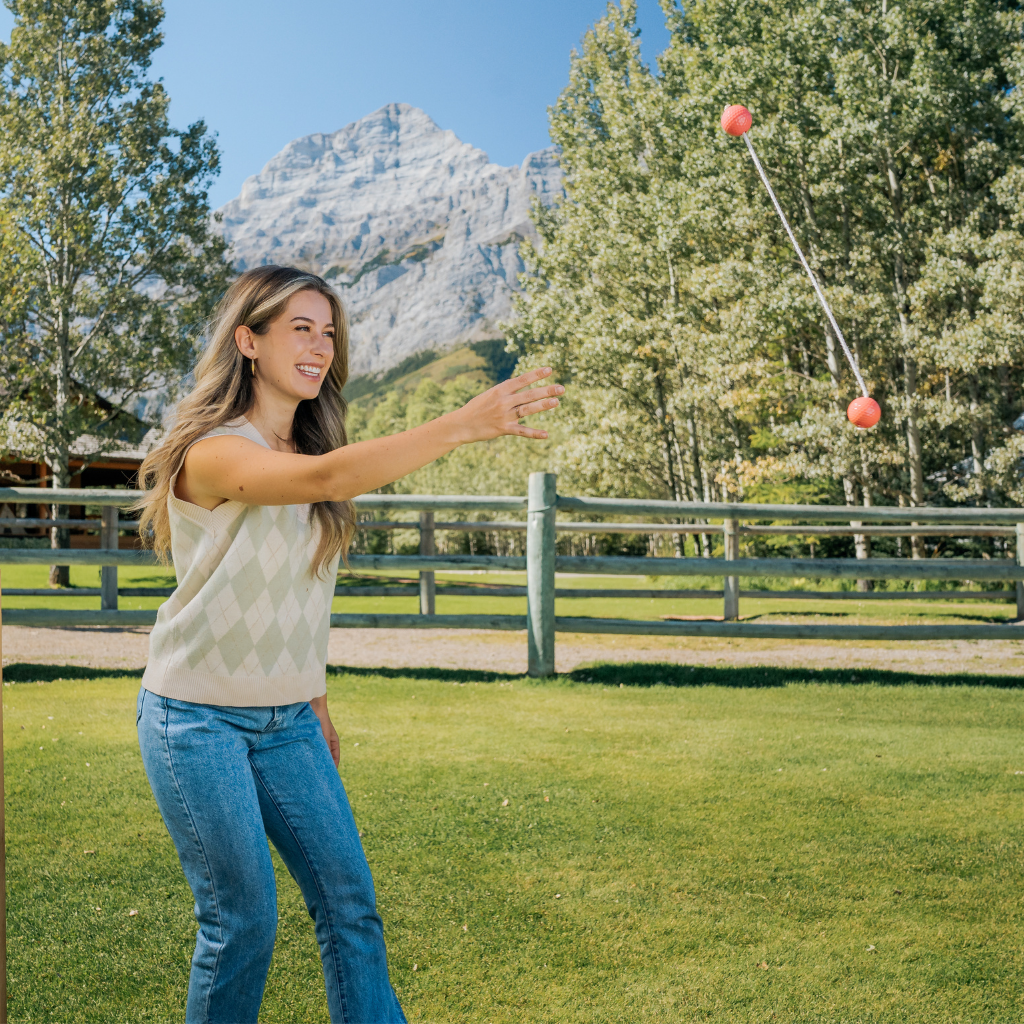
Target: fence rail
pixel 541 563
pixel 575 592
pixel 498 526
pixel 623 506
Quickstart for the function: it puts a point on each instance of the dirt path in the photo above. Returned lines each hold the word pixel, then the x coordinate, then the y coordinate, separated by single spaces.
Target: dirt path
pixel 99 647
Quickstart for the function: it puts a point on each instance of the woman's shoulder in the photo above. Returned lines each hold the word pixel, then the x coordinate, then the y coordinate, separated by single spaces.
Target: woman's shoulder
pixel 240 427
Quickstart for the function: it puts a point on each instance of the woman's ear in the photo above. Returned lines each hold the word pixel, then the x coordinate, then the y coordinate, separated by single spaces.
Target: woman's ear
pixel 245 342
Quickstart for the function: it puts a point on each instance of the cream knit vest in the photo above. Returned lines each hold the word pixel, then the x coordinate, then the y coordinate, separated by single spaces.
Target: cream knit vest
pixel 247 625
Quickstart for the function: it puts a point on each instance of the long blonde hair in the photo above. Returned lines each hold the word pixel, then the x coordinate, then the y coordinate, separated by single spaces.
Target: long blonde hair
pixel 224 391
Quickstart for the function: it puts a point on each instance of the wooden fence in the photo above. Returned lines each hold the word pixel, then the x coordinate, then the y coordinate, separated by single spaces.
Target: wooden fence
pixel 542 562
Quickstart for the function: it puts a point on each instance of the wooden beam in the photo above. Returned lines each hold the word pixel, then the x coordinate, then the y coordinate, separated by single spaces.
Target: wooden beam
pixel 787 631
pixel 70 496
pixel 57 618
pixel 816 568
pixel 433 502
pixel 966 530
pixel 417 621
pixel 880 595
pixel 428 583
pixel 74 556
pixel 746 511
pixel 540 576
pixel 436 563
pixel 817 513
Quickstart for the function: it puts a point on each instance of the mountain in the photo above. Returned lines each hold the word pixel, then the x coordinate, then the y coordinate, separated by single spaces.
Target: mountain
pixel 418 230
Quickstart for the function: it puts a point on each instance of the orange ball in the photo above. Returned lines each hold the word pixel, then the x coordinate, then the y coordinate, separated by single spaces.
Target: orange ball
pixel 864 413
pixel 736 119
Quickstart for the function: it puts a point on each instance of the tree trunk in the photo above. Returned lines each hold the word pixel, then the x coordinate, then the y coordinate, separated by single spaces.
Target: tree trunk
pixel 60 469
pixel 915 459
pixel 861 542
pixel 914 454
pixel 698 480
pixel 977 439
pixel 832 358
pixel 60 536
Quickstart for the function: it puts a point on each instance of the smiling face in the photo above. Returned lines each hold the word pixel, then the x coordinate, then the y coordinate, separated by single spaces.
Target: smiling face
pixel 293 356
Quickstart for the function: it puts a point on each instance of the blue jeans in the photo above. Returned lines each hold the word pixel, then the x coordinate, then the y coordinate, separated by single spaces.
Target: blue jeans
pixel 227 778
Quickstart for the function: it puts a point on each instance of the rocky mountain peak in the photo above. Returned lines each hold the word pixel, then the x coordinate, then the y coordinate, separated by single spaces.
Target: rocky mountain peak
pixel 419 230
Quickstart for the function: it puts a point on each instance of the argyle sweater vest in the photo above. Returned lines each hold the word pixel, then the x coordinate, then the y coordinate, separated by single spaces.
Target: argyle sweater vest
pixel 247 625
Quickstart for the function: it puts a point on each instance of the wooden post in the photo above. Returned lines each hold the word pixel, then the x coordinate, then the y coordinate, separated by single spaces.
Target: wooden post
pixel 108 573
pixel 1020 561
pixel 731 609
pixel 3 840
pixel 540 574
pixel 428 586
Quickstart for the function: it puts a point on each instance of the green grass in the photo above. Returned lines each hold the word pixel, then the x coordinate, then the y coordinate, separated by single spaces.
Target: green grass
pixel 891 612
pixel 678 844
pixel 37 576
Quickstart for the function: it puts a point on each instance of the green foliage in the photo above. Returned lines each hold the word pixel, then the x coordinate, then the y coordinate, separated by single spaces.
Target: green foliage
pixel 618 846
pixel 108 263
pixel 665 290
pixel 493 467
pixel 428 385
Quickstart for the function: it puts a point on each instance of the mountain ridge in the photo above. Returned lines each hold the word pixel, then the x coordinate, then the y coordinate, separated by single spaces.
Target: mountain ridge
pixel 418 229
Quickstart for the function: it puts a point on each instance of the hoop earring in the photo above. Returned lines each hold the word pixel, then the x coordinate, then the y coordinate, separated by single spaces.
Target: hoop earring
pixel 252 363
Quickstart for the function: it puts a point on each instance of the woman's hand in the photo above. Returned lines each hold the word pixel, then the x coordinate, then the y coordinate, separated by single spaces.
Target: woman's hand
pixel 498 411
pixel 319 706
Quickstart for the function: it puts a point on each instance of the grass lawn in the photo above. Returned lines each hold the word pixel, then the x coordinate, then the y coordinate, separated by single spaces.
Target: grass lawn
pixel 630 843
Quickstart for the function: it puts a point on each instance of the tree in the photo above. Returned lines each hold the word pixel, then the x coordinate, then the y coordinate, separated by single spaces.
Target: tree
pixel 108 260
pixel 888 130
pixel 632 294
pixel 666 288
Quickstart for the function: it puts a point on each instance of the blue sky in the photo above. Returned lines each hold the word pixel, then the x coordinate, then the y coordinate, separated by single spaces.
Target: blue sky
pixel 260 77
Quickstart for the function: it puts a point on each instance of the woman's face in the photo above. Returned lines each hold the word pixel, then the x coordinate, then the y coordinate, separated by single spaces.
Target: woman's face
pixel 293 357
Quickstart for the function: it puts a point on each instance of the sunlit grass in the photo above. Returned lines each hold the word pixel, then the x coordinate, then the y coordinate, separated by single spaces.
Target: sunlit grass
pixel 730 845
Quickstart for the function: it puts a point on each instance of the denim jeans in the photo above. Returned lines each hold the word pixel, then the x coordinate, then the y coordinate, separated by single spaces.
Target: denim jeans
pixel 225 779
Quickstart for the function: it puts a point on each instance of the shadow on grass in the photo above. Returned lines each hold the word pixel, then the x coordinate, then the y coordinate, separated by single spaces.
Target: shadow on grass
pixel 26 672
pixel 441 675
pixel 653 673
pixel 630 673
pixel 928 615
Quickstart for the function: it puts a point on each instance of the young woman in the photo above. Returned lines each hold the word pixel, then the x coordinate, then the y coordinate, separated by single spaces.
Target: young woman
pixel 250 495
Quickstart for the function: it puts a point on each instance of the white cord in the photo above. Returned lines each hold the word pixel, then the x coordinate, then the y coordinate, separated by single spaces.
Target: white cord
pixel 814 280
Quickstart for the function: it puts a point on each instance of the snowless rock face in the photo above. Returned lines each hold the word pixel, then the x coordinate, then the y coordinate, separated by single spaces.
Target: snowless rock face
pixel 419 231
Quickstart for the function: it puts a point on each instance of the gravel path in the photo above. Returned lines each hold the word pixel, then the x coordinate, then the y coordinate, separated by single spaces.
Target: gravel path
pixel 99 647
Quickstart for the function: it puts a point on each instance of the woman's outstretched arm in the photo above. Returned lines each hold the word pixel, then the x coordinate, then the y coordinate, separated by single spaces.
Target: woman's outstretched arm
pixel 233 468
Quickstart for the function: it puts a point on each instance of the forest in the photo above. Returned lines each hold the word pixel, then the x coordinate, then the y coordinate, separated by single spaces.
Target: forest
pixel 663 289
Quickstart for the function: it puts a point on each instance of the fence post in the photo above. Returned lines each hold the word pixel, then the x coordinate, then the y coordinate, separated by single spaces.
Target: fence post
pixel 1020 561
pixel 731 584
pixel 428 586
pixel 108 573
pixel 540 574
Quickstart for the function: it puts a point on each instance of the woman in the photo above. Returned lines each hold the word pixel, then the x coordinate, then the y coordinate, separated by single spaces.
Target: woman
pixel 250 494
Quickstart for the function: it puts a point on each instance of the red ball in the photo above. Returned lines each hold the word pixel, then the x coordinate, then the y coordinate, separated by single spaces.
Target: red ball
pixel 736 119
pixel 864 413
